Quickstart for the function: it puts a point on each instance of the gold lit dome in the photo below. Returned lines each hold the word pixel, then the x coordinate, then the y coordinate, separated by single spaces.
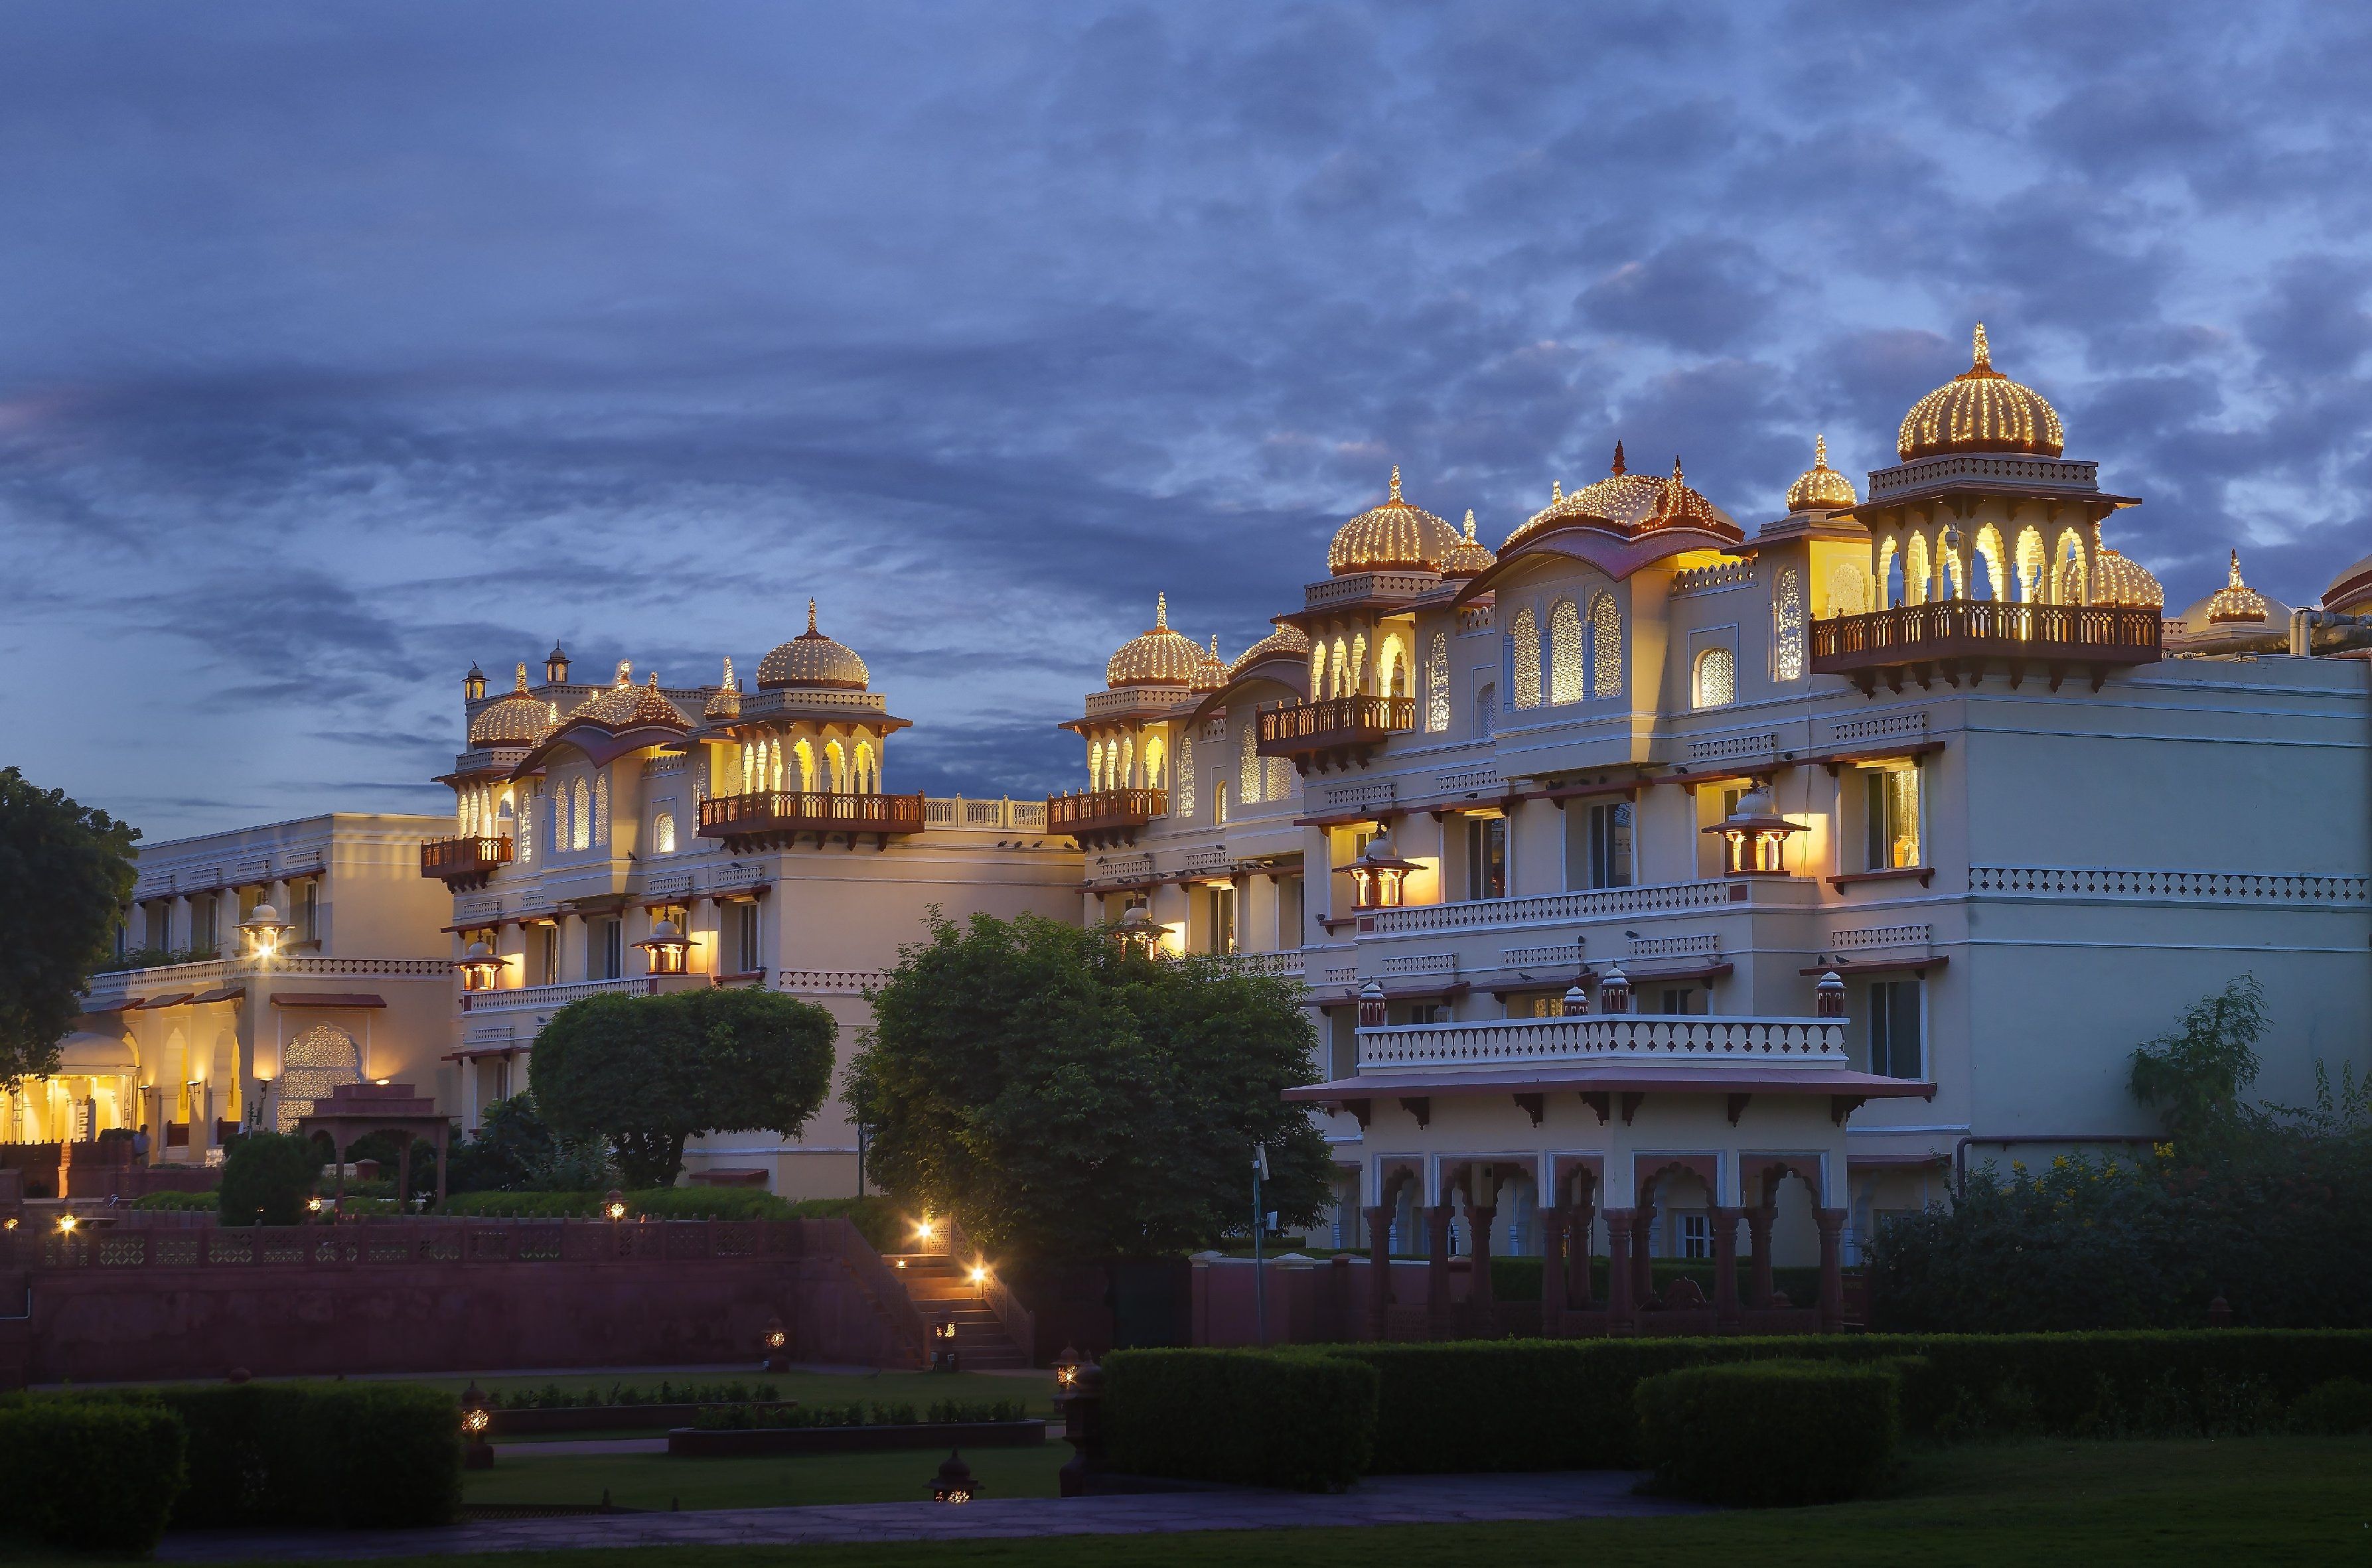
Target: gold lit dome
pixel 517 720
pixel 1394 537
pixel 1980 409
pixel 1159 657
pixel 625 704
pixel 1623 498
pixel 2235 600
pixel 1212 672
pixel 1820 488
pixel 812 659
pixel 1287 639
pixel 1471 558
pixel 1678 506
pixel 726 703
pixel 2123 580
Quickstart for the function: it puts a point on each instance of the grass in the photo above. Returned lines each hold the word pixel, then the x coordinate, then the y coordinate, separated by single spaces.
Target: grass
pixel 653 1480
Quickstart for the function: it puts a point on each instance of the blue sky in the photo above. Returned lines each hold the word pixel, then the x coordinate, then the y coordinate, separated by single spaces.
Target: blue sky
pixel 341 346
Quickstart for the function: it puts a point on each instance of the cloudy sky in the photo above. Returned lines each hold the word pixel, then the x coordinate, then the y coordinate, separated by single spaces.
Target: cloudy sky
pixel 341 346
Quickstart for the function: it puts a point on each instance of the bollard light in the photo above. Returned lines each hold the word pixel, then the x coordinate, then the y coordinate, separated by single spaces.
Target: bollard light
pixel 477 1420
pixel 774 1340
pixel 614 1205
pixel 1067 1370
pixel 954 1483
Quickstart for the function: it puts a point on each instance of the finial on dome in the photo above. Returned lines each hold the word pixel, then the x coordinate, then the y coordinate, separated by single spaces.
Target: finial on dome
pixel 626 672
pixel 811 625
pixel 655 680
pixel 520 685
pixel 1396 481
pixel 1161 611
pixel 1676 468
pixel 1469 537
pixel 1556 491
pixel 1820 451
pixel 1618 458
pixel 1215 644
pixel 1984 354
pixel 729 684
pixel 2233 580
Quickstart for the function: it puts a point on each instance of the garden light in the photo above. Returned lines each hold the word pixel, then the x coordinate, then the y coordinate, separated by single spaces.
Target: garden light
pixel 1067 1370
pixel 924 1230
pixel 954 1483
pixel 979 1273
pixel 66 1224
pixel 477 1454
pixel 775 1339
pixel 614 1205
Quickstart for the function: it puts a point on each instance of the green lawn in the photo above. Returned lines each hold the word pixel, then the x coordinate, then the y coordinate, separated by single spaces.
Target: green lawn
pixel 654 1480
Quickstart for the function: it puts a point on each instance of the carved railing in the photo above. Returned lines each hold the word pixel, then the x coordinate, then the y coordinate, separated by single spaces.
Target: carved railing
pixel 471 856
pixel 1104 811
pixel 2090 635
pixel 1299 729
pixel 1495 1041
pixel 803 810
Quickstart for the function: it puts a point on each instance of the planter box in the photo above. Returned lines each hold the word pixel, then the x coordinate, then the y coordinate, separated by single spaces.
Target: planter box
pixel 603 1418
pixel 691 1442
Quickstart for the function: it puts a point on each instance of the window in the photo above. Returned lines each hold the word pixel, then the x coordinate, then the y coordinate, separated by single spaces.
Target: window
pixel 203 930
pixel 1436 685
pixel 601 810
pixel 1486 857
pixel 580 824
pixel 605 948
pixel 1848 589
pixel 1184 806
pixel 1695 1235
pixel 746 957
pixel 663 833
pixel 1524 658
pixel 1249 788
pixel 1787 624
pixel 1682 1000
pixel 161 926
pixel 1598 846
pixel 1428 1013
pixel 1289 915
pixel 1342 1041
pixel 1154 757
pixel 306 916
pixel 1220 908
pixel 1891 818
pixel 1715 685
pixel 1219 802
pixel 1605 647
pixel 547 954
pixel 1894 1028
pixel 1567 653
pixel 1487 709
pixel 1540 1004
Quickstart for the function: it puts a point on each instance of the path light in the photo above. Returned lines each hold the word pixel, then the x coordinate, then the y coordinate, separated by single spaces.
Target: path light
pixel 775 1340
pixel 314 1204
pixel 476 1421
pixel 1067 1370
pixel 925 1230
pixel 944 1358
pixel 66 1224
pixel 614 1205
pixel 979 1276
pixel 955 1480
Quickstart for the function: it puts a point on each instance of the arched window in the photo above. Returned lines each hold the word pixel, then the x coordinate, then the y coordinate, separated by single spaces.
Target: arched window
pixel 1154 757
pixel 2029 565
pixel 1248 785
pixel 1889 575
pixel 1183 804
pixel 1605 647
pixel 580 830
pixel 1487 709
pixel 1095 766
pixel 835 765
pixel 1916 570
pixel 601 809
pixel 1391 659
pixel 1716 679
pixel 1524 651
pixel 1848 590
pixel 1361 681
pixel 868 776
pixel 1787 624
pixel 527 831
pixel 1219 802
pixel 1127 779
pixel 1989 571
pixel 1334 687
pixel 663 833
pixel 1316 671
pixel 320 1059
pixel 1436 684
pixel 2073 573
pixel 1565 655
pixel 803 757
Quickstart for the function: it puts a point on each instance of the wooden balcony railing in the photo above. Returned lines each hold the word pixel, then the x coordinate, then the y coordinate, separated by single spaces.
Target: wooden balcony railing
pixel 1955 637
pixel 1333 732
pixel 1105 816
pixel 781 815
pixel 465 862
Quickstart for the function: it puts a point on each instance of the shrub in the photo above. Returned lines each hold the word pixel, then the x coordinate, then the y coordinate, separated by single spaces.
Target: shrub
pixel 93 1476
pixel 348 1456
pixel 1251 1418
pixel 553 1397
pixel 178 1201
pixel 2341 1408
pixel 267 1179
pixel 879 1220
pixel 742 1418
pixel 1772 1434
pixel 653 1203
pixel 1519 1279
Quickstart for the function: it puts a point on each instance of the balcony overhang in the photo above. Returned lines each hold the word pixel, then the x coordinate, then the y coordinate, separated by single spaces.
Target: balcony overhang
pixel 776 818
pixel 1335 733
pixel 1957 638
pixel 1105 818
pixel 464 863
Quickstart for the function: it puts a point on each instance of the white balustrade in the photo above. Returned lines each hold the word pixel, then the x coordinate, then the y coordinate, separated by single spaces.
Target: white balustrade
pixel 1740 1041
pixel 2301 889
pixel 1546 907
pixel 548 998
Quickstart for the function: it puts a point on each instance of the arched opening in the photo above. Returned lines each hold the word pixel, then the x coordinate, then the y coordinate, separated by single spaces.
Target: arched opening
pixel 317 1061
pixel 1605 647
pixel 803 754
pixel 1156 760
pixel 1567 658
pixel 1889 574
pixel 2031 556
pixel 1251 773
pixel 1848 589
pixel 868 770
pixel 663 833
pixel 1916 571
pixel 835 763
pixel 1787 624
pixel 581 831
pixel 1716 680
pixel 1095 766
pixel 1989 571
pixel 1363 679
pixel 1335 686
pixel 1436 684
pixel 1524 655
pixel 2074 571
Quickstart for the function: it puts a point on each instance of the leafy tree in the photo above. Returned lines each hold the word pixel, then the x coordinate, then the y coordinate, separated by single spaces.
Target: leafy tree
pixel 69 871
pixel 515 1151
pixel 2196 1073
pixel 268 1175
pixel 643 1073
pixel 1068 1096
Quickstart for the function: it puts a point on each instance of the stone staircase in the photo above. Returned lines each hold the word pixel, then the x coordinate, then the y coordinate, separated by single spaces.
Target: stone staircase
pixel 940 1289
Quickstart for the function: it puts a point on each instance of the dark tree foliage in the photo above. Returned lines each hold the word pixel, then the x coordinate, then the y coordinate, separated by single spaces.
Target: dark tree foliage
pixel 515 1151
pixel 1068 1096
pixel 2195 1073
pixel 268 1175
pixel 68 872
pixel 643 1073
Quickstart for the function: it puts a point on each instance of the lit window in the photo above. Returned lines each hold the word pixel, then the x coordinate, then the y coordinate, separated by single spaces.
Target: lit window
pixel 1696 1236
pixel 1787 624
pixel 1248 785
pixel 601 810
pixel 1095 765
pixel 580 828
pixel 663 833
pixel 1219 801
pixel 1436 684
pixel 1717 678
pixel 1605 647
pixel 1848 589
pixel 1185 805
pixel 1359 682
pixel 1524 650
pixel 1487 709
pixel 1891 818
pixel 1565 653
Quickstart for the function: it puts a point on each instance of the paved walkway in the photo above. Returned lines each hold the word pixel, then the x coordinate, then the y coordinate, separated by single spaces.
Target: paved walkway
pixel 1384 1500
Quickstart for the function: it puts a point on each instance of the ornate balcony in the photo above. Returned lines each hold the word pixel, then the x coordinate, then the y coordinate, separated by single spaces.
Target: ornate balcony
pixel 464 863
pixel 1958 636
pixel 1106 817
pixel 1334 733
pixel 769 819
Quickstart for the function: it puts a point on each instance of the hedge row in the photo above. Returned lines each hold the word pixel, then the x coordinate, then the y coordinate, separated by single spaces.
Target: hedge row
pixel 1250 1418
pixel 1519 1279
pixel 656 1203
pixel 1762 1434
pixel 92 1477
pixel 1566 1404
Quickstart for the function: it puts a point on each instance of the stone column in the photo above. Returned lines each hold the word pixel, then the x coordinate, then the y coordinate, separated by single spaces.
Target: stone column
pixel 1725 1268
pixel 1757 1231
pixel 1481 1301
pixel 1579 1292
pixel 1438 1317
pixel 1552 1266
pixel 1833 1275
pixel 1379 1270
pixel 1620 1310
pixel 1643 1271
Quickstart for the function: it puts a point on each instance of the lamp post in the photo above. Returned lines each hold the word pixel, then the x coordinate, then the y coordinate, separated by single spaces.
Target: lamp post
pixel 776 1339
pixel 477 1454
pixel 613 1206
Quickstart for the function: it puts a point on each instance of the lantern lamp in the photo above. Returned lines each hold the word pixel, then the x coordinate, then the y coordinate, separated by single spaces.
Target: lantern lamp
pixel 667 944
pixel 479 966
pixel 944 1355
pixel 264 930
pixel 1138 931
pixel 1377 876
pixel 477 1420
pixel 613 1206
pixel 954 1483
pixel 1753 838
pixel 66 1224
pixel 925 1230
pixel 1066 1371
pixel 776 1341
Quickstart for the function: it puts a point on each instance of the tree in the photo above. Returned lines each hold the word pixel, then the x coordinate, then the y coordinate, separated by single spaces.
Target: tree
pixel 1068 1096
pixel 645 1073
pixel 515 1151
pixel 69 873
pixel 2196 1073
pixel 267 1176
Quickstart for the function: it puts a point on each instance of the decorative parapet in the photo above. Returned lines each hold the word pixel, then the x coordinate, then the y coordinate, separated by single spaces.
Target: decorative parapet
pixel 1363 585
pixel 1719 577
pixel 1403 965
pixel 1696 945
pixel 1729 747
pixel 1867 938
pixel 1546 907
pixel 548 998
pixel 2306 890
pixel 1909 723
pixel 1357 794
pixel 962 811
pixel 1925 473
pixel 1745 1041
pixel 1287 963
pixel 828 983
pixel 1120 868
pixel 1470 780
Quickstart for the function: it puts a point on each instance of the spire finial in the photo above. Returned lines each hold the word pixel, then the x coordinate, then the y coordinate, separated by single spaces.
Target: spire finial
pixel 812 625
pixel 1676 468
pixel 626 672
pixel 655 680
pixel 522 684
pixel 1618 457
pixel 728 674
pixel 1556 491
pixel 1396 481
pixel 1215 644
pixel 2234 580
pixel 1161 611
pixel 1470 538
pixel 1984 354
pixel 1820 451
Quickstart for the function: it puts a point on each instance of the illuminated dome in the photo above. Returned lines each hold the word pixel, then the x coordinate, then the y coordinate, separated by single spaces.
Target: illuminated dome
pixel 625 704
pixel 1212 672
pixel 1287 639
pixel 1820 488
pixel 1678 506
pixel 1470 559
pixel 1394 537
pixel 726 704
pixel 2123 580
pixel 1159 657
pixel 517 720
pixel 812 659
pixel 2351 591
pixel 1980 409
pixel 2234 604
pixel 1623 498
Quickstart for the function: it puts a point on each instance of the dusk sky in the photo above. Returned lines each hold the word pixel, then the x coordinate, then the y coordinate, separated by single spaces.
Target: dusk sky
pixel 343 345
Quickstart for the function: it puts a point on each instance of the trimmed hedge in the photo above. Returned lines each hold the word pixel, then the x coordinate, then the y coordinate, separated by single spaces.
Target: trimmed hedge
pixel 347 1456
pixel 1775 1434
pixel 656 1203
pixel 92 1477
pixel 1520 1404
pixel 2341 1408
pixel 1250 1418
pixel 1519 1279
pixel 178 1201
